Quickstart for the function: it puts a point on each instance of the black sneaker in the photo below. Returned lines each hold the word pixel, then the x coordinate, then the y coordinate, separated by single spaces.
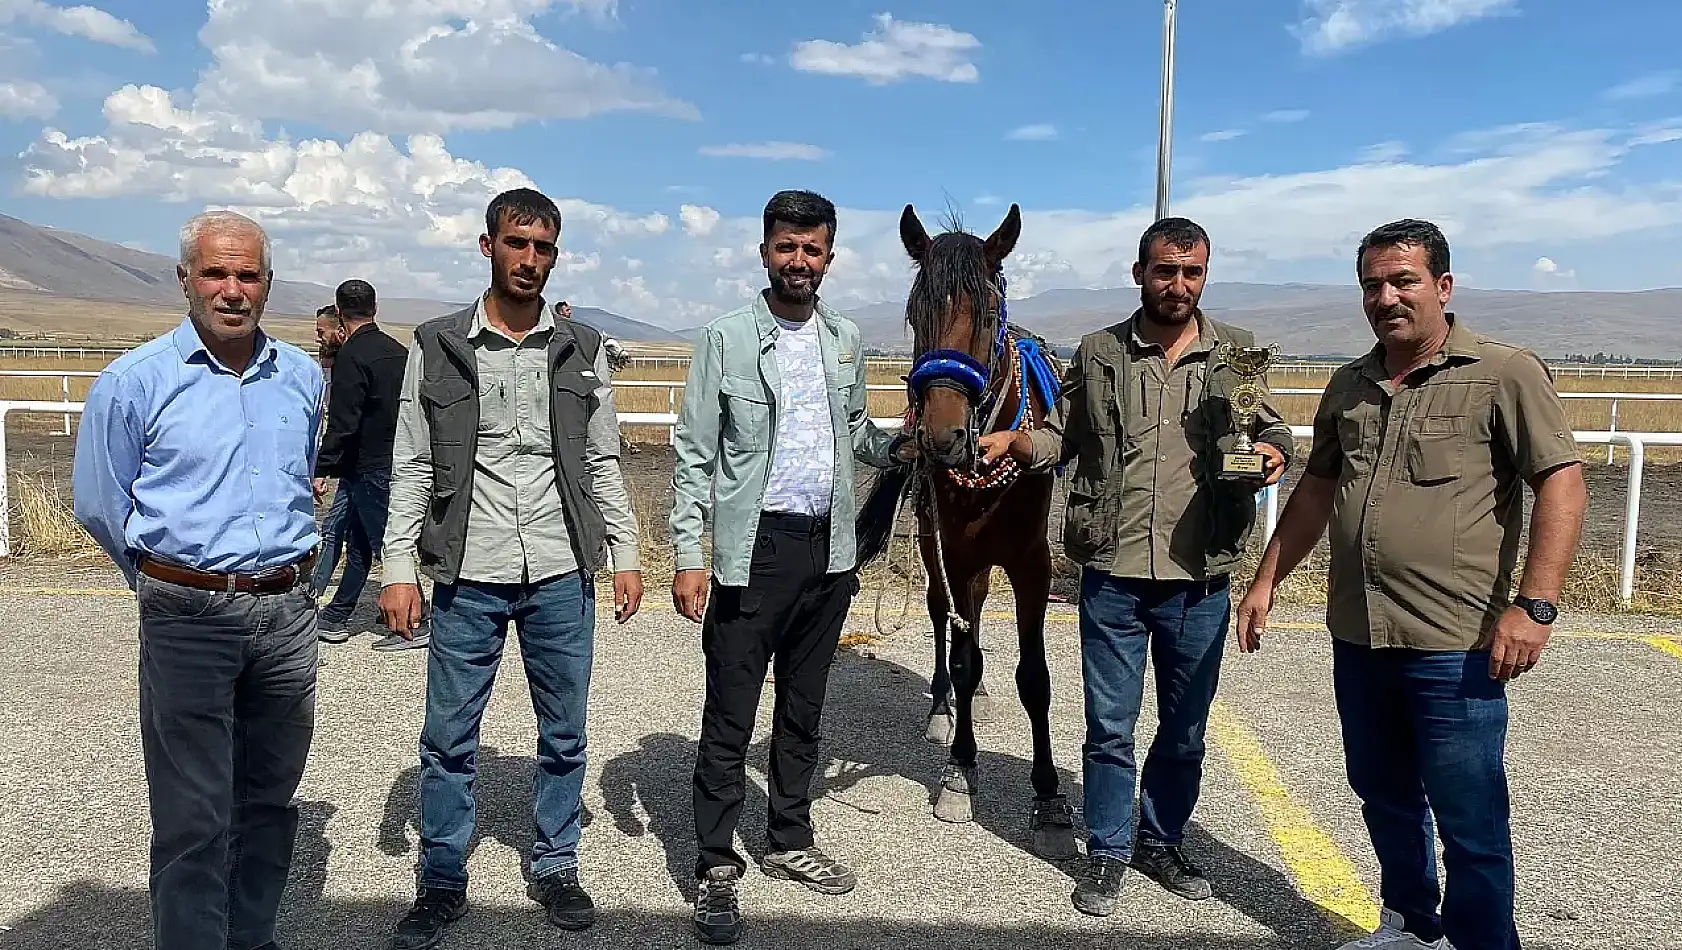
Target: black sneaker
pixel 1168 865
pixel 434 909
pixel 1098 890
pixel 569 907
pixel 813 868
pixel 718 918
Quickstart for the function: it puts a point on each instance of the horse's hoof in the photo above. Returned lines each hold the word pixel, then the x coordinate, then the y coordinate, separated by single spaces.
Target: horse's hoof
pixel 1051 828
pixel 954 807
pixel 981 707
pixel 940 728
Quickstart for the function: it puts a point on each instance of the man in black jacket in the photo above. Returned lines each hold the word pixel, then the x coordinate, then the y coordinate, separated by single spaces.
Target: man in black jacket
pixel 356 449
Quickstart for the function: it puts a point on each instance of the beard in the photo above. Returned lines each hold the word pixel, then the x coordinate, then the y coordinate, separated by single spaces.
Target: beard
pixel 226 323
pixel 1165 312
pixel 524 290
pixel 800 292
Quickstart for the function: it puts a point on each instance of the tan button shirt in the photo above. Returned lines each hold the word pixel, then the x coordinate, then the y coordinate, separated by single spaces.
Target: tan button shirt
pixel 1430 482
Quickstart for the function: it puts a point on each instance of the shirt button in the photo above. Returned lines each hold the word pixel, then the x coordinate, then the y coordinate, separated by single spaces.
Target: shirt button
pixel 253 471
pixel 261 517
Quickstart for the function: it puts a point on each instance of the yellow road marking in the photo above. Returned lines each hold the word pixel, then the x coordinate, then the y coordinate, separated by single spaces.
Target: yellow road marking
pixel 1665 645
pixel 1324 876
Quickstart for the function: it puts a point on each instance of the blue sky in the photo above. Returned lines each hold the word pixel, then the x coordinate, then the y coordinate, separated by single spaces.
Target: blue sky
pixel 369 137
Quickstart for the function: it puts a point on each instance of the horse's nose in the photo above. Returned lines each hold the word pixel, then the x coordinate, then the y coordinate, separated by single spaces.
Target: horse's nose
pixel 951 447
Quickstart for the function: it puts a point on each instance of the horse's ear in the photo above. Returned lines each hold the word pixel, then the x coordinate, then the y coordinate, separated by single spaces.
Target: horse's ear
pixel 913 235
pixel 1001 242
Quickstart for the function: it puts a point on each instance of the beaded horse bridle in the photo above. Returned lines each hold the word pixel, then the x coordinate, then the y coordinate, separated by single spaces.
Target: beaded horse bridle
pixel 955 369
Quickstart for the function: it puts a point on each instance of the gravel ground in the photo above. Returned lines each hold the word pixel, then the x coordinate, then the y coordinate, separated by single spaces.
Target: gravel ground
pixel 1596 773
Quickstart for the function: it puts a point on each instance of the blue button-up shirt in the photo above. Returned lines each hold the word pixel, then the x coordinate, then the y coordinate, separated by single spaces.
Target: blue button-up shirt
pixel 192 461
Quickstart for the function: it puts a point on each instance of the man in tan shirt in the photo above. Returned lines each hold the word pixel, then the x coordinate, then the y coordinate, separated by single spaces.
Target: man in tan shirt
pixel 1158 534
pixel 1422 449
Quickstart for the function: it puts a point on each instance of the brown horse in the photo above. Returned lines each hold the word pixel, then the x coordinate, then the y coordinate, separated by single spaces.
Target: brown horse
pixel 972 375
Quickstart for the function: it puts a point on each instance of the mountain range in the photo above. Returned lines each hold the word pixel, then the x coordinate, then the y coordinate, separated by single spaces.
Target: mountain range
pixel 1304 319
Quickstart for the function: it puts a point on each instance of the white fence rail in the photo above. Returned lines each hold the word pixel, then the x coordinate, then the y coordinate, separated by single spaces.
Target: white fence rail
pixel 1269 500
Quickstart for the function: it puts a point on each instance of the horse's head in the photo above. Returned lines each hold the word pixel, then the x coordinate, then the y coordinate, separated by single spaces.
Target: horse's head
pixel 955 312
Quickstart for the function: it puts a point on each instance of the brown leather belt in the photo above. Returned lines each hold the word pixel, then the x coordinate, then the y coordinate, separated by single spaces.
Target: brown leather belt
pixel 275 580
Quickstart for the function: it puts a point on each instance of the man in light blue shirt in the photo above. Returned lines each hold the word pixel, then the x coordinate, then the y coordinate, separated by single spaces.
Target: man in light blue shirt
pixel 192 471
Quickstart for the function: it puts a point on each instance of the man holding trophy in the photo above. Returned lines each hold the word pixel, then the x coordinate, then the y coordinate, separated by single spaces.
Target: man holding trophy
pixel 1160 417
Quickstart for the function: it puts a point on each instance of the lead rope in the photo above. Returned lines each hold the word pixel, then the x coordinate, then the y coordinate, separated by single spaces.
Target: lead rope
pixel 912 486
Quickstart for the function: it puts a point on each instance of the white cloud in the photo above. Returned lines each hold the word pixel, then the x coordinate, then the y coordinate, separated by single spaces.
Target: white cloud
pixel 698 221
pixel 87 22
pixel 1653 84
pixel 1658 133
pixel 771 151
pixel 1222 135
pixel 1384 152
pixel 759 59
pixel 897 50
pixel 406 212
pixel 412 65
pixel 1285 116
pixel 1032 133
pixel 21 99
pixel 1550 275
pixel 1331 26
pixel 1546 265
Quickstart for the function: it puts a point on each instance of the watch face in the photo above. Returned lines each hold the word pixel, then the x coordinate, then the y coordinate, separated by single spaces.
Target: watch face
pixel 1543 612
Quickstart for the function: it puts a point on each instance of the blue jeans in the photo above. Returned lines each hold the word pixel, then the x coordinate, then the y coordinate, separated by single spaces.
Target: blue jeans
pixel 367 499
pixel 556 619
pixel 1423 734
pixel 227 714
pixel 332 541
pixel 1183 624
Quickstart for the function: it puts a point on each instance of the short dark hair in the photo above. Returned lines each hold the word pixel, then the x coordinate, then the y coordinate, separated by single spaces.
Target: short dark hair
pixel 1182 233
pixel 521 206
pixel 1408 232
pixel 327 311
pixel 803 209
pixel 356 300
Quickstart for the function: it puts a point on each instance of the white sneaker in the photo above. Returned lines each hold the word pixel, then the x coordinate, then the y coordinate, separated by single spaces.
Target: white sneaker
pixel 1392 935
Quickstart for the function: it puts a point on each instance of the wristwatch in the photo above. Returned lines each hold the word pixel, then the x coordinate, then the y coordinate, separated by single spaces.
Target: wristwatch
pixel 1539 610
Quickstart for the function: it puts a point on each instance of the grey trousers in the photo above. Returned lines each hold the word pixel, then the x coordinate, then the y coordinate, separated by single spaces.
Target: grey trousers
pixel 227 713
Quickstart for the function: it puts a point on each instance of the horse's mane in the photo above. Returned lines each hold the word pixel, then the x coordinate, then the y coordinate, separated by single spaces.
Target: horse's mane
pixel 954 265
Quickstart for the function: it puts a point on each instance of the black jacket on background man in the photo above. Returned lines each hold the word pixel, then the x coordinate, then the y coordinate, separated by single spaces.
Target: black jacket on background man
pixel 362 405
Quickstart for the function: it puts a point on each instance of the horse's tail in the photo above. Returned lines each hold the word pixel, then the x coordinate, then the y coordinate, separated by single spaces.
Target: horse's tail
pixel 874 526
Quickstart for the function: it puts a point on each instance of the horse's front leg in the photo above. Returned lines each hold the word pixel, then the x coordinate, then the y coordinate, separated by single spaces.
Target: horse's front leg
pixel 959 781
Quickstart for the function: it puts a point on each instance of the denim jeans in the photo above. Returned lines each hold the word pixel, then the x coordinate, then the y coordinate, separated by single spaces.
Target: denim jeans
pixel 1425 733
pixel 1183 625
pixel 556 619
pixel 227 714
pixel 333 525
pixel 367 499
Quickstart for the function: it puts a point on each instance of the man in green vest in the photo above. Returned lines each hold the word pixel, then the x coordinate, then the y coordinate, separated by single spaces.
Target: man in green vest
pixel 1157 532
pixel 508 493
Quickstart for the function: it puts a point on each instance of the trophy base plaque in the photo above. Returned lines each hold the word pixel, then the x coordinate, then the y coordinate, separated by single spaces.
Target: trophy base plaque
pixel 1243 466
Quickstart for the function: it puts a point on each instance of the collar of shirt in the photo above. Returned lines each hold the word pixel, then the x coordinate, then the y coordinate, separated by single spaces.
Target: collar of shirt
pixel 1205 336
pixel 192 349
pixel 1462 344
pixel 481 325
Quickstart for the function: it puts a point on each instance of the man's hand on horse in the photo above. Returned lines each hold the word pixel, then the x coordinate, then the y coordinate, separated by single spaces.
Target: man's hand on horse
pixel 996 445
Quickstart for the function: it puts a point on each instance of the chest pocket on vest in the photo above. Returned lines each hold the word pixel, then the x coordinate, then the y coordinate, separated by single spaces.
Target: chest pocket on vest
pixel 573 400
pixel 449 414
pixel 747 414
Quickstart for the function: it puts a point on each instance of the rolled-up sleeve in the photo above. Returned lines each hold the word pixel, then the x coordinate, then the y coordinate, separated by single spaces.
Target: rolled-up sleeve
pixel 607 476
pixel 411 479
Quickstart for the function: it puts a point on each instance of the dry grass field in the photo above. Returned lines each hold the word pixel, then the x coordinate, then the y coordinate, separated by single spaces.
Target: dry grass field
pixel 39 453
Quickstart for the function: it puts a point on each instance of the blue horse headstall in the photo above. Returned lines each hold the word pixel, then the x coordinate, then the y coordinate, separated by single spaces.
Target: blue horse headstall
pixel 952 368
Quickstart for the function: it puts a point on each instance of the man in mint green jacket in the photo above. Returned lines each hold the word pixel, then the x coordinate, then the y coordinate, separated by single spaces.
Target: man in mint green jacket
pixel 774 414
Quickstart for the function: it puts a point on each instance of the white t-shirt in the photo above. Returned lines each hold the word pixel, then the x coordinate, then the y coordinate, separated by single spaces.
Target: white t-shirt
pixel 803 460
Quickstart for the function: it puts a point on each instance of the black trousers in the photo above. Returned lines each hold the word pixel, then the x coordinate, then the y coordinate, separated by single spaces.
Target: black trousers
pixel 790 613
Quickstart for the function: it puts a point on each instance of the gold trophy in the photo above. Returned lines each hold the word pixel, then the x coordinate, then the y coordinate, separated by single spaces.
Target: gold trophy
pixel 1250 363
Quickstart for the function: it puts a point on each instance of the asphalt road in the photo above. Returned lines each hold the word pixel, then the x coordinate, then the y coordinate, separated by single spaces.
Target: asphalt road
pixel 1595 759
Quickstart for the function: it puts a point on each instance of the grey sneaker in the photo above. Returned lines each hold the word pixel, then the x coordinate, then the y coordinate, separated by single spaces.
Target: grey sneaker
pixel 718 918
pixel 813 868
pixel 391 642
pixel 1099 887
pixel 329 632
pixel 1392 934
